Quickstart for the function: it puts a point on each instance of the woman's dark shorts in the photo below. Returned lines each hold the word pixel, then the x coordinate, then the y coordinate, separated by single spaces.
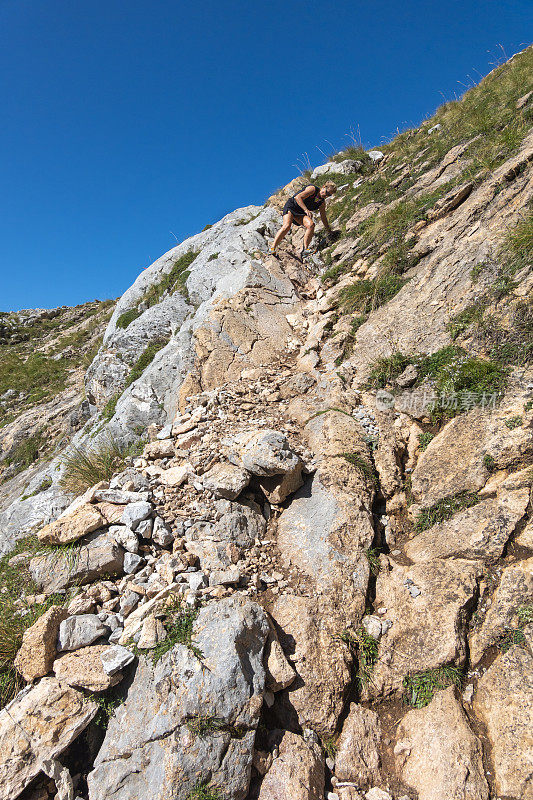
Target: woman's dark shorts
pixel 295 210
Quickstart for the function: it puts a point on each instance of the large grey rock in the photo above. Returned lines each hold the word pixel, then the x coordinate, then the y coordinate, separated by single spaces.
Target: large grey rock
pixel 80 631
pixel 357 759
pixel 83 669
pixel 226 480
pixel 101 555
pixel 265 452
pixel 235 532
pixel 427 605
pixel 39 724
pixel 161 533
pixel 337 168
pixel 149 750
pixel 453 461
pixel 308 632
pixel 514 590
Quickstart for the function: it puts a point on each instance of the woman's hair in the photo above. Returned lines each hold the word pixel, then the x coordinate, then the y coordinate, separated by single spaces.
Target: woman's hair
pixel 330 186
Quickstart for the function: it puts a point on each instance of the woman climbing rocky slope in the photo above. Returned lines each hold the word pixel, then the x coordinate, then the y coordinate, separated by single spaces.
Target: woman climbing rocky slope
pixel 315 580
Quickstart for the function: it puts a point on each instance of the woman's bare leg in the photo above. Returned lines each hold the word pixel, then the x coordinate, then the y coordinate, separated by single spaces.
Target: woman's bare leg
pixel 283 231
pixel 309 231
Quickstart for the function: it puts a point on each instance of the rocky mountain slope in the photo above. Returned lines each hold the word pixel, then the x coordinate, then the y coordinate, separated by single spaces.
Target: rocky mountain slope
pixel 290 553
pixel 44 354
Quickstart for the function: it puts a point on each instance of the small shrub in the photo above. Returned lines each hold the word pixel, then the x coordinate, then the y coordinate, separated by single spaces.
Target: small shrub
pixel 361 463
pixel 420 688
pixel 27 452
pixel 367 294
pixel 459 323
pixel 365 648
pixel 127 317
pixel 85 468
pixel 179 629
pixel 528 406
pixel 372 555
pixel 201 726
pixel 330 746
pixel 489 462
pixel 172 281
pixel 445 509
pixel 510 637
pixel 213 257
pixel 513 422
pixel 516 251
pixel 203 791
pixel 106 709
pixel 525 615
pixel 424 439
pixel 108 411
pixel 385 370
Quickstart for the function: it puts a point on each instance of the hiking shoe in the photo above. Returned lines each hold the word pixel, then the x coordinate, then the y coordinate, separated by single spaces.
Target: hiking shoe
pixel 304 253
pixel 272 252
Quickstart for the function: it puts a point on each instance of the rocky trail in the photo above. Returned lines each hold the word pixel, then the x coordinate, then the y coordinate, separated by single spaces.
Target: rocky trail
pixel 311 575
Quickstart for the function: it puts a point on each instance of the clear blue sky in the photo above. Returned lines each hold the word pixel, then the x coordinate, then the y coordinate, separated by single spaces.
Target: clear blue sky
pixel 124 120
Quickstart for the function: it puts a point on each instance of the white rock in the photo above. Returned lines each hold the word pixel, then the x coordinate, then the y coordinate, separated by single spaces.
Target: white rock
pixel 80 631
pixel 132 562
pixel 135 513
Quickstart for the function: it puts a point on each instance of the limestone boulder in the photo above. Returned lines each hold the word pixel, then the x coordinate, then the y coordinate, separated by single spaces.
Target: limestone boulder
pixel 80 631
pixel 481 531
pixel 226 480
pixel 263 453
pixel 279 672
pixel 38 649
pixel 150 750
pixel 100 555
pixel 504 704
pixel 219 545
pixel 115 658
pixel 84 669
pixel 38 725
pixel 278 487
pixel 427 607
pixel 357 759
pixel 438 755
pixel 514 590
pixel 72 525
pixel 297 773
pixel 308 631
pixel 453 460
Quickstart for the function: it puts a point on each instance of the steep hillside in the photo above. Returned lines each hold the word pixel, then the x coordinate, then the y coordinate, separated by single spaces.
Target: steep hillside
pixel 295 554
pixel 43 355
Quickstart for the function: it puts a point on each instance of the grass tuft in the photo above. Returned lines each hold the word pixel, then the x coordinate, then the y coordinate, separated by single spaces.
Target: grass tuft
pixel 179 627
pixel 445 509
pixel 424 439
pixel 85 468
pixel 420 688
pixel 203 791
pixel 365 649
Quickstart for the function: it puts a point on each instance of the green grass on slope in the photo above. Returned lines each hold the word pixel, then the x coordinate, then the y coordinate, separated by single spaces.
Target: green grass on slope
pixel 173 281
pixel 485 119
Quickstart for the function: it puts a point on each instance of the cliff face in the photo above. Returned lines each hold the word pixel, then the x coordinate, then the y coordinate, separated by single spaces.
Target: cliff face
pixel 314 576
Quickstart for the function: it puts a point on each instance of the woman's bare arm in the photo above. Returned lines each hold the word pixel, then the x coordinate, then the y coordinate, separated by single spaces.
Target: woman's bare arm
pixel 300 197
pixel 324 218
